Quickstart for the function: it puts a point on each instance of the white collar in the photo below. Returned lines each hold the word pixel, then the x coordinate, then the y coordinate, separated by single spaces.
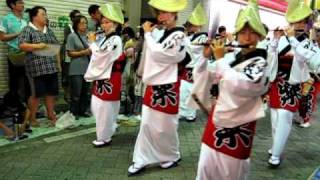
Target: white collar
pixel 34 27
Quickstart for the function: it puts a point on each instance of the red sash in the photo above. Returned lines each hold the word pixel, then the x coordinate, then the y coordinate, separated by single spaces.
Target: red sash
pixel 110 89
pixel 284 95
pixel 235 142
pixel 308 103
pixel 187 75
pixel 163 98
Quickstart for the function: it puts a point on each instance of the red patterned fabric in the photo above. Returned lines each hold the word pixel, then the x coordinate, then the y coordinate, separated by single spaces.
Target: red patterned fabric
pixel 284 95
pixel 308 103
pixel 235 142
pixel 187 75
pixel 110 89
pixel 163 98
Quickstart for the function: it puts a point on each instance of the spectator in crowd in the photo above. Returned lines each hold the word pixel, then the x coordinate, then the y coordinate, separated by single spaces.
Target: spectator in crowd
pixel 12 24
pixel 7 131
pixel 65 59
pixel 42 71
pixel 127 89
pixel 138 84
pixel 11 107
pixel 193 26
pixel 224 35
pixel 94 21
pixel 79 52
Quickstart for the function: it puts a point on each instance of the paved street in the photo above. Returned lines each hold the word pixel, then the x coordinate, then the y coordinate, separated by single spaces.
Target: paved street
pixel 74 158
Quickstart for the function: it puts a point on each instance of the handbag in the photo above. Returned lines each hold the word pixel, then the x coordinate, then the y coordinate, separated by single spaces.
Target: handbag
pixel 17 57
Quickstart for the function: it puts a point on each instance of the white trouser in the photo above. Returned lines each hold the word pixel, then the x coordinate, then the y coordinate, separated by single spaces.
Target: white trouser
pixel 281 122
pixel 105 113
pixel 185 93
pixel 214 165
pixel 157 140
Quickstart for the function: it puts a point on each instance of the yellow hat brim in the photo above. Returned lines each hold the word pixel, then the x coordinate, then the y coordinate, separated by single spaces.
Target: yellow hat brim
pixel 112 12
pixel 198 16
pixel 250 16
pixel 169 5
pixel 297 11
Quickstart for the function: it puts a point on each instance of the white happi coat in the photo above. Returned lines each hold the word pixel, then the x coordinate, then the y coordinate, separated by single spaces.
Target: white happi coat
pixel 157 140
pixel 241 83
pixel 305 58
pixel 104 53
pixel 240 89
pixel 195 52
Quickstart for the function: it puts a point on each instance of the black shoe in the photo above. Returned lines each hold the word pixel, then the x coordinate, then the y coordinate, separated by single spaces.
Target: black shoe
pixel 85 115
pixel 182 118
pixel 23 136
pixel 28 131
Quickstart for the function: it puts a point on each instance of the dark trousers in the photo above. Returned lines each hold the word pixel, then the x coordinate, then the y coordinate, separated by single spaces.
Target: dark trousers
pixel 79 95
pixel 18 81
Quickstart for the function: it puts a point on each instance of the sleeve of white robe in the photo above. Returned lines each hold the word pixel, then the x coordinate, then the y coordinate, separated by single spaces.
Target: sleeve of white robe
pixel 308 54
pixel 244 83
pixel 102 60
pixel 203 80
pixel 272 60
pixel 171 54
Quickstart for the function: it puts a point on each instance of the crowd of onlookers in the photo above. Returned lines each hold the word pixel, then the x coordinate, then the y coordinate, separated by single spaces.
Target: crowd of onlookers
pixel 34 71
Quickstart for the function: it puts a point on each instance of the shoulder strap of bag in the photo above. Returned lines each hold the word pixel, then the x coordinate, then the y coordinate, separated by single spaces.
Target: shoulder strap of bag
pixel 83 44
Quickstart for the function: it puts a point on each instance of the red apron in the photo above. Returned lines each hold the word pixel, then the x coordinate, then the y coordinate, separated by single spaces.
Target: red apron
pixel 163 98
pixel 187 75
pixel 235 142
pixel 110 89
pixel 308 103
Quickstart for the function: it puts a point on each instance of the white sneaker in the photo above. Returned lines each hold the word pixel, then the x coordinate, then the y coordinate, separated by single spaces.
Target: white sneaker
pixel 270 152
pixel 191 119
pixel 168 165
pixel 274 161
pixel 305 125
pixel 135 168
pixel 122 117
pixel 97 143
pixel 138 117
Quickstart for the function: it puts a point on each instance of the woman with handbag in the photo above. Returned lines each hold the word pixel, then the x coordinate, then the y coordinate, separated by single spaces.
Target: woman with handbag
pixel 12 25
pixel 78 50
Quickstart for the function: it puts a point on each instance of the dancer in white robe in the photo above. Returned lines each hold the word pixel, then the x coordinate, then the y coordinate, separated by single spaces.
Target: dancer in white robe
pixel 194 49
pixel 104 70
pixel 157 141
pixel 242 78
pixel 290 69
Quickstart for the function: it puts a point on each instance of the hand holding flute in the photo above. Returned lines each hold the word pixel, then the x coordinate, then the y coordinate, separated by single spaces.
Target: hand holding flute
pixel 215 48
pixel 289 31
pixel 148 26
